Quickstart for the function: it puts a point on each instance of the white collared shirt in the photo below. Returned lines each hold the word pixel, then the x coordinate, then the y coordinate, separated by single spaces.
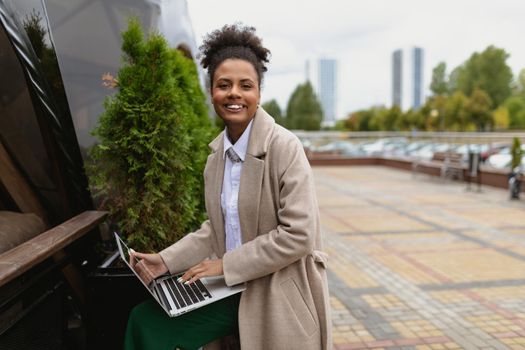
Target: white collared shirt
pixel 230 188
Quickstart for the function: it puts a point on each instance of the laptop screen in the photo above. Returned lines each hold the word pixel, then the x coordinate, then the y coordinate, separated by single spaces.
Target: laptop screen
pixel 124 254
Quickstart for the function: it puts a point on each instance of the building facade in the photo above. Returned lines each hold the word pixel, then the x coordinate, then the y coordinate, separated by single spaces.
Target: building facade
pixel 397 78
pixel 327 89
pixel 417 77
pixel 411 81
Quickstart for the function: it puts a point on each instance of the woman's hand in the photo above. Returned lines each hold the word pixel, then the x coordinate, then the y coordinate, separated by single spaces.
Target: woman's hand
pixel 204 269
pixel 147 266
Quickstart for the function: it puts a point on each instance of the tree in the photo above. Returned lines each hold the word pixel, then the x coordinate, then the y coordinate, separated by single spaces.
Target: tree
pixel 153 135
pixel 487 71
pixel 519 87
pixel 479 109
pixel 439 84
pixel 273 109
pixel 456 116
pixel 304 110
pixel 516 107
pixel 359 120
pixel 378 121
pixel 392 118
pixel 516 153
pixel 453 79
pixel 404 122
pixel 500 118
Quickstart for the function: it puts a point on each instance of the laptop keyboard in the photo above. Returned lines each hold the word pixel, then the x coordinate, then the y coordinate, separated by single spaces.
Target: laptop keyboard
pixel 179 294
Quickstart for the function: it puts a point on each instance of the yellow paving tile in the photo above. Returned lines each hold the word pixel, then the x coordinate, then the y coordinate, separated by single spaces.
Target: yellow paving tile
pixel 408 329
pixel 333 224
pixel 501 293
pixel 332 199
pixel 385 301
pixel 450 297
pixel 405 269
pixel 517 232
pixel 492 216
pixel 353 276
pixel 467 266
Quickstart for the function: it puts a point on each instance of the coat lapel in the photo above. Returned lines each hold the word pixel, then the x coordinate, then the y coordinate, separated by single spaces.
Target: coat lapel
pixel 215 175
pixel 250 188
pixel 249 196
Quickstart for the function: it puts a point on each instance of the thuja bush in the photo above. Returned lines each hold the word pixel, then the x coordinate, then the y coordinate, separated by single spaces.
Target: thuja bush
pixel 516 154
pixel 153 136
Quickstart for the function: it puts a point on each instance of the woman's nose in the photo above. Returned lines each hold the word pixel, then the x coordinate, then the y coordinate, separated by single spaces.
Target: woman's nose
pixel 234 91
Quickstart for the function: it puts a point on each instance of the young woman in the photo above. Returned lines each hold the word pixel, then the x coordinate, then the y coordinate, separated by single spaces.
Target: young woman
pixel 263 226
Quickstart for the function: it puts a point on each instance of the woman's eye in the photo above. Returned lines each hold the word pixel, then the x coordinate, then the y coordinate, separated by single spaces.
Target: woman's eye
pixel 246 86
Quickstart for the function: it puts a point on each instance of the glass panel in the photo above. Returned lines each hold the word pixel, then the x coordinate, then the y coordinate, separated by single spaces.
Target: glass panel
pixel 19 128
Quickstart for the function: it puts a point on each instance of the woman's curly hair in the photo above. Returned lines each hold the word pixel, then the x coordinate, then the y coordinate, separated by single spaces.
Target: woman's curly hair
pixel 234 41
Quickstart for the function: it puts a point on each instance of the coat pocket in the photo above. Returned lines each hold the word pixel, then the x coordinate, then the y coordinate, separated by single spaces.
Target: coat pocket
pixel 298 305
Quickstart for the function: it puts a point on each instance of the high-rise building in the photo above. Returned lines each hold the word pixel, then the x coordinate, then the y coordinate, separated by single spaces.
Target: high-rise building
pixel 327 89
pixel 417 77
pixel 397 78
pixel 411 81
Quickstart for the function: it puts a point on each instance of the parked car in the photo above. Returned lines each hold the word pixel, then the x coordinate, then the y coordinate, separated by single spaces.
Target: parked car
pixel 502 159
pixel 493 149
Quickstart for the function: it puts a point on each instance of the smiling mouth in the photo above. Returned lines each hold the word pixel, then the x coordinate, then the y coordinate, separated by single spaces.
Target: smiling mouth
pixel 234 107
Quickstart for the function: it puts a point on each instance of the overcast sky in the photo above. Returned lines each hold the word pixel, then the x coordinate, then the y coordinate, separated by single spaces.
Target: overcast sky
pixel 362 35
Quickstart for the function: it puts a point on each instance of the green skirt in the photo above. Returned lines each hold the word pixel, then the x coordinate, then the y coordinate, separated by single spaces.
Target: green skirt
pixel 150 328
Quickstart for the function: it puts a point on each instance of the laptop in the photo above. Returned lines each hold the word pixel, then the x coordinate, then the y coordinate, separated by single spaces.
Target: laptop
pixel 177 298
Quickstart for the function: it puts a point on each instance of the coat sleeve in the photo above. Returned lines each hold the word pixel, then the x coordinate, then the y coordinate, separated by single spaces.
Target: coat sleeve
pixel 298 222
pixel 190 250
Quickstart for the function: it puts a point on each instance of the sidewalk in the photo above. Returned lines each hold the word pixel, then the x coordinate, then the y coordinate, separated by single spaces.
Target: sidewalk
pixel 417 263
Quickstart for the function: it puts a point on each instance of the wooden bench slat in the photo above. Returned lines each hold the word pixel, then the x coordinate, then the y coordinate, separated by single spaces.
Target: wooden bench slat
pixel 20 259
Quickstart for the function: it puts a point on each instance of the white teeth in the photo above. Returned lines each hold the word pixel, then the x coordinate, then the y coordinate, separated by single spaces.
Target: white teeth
pixel 234 106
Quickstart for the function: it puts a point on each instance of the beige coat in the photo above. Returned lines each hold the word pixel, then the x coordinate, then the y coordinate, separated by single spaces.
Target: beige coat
pixel 285 304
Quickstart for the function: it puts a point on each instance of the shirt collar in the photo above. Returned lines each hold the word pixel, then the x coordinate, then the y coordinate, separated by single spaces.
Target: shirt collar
pixel 241 146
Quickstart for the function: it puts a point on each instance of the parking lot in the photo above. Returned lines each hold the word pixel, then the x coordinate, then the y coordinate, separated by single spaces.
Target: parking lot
pixel 495 153
pixel 420 263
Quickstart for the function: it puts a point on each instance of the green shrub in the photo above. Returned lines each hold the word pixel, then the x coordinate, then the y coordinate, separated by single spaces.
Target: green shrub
pixel 516 153
pixel 153 144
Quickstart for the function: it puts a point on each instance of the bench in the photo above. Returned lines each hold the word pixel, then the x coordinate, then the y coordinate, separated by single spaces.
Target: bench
pixel 451 164
pixel 16 261
pixel 27 238
pixel 447 165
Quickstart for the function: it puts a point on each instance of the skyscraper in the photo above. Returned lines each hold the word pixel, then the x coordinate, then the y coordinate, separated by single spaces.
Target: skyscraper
pixel 417 77
pixel 327 89
pixel 412 81
pixel 397 78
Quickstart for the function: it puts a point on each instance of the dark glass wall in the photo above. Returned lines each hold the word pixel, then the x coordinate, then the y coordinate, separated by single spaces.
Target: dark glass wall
pixel 35 123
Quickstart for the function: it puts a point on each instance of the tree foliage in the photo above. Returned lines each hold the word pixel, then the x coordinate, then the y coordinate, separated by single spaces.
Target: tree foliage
pixel 480 94
pixel 304 110
pixel 516 153
pixel 500 118
pixel 439 84
pixel 487 71
pixel 479 109
pixel 516 107
pixel 153 135
pixel 273 109
pixel 456 117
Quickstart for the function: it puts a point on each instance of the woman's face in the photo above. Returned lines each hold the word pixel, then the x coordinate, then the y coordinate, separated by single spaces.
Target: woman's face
pixel 235 92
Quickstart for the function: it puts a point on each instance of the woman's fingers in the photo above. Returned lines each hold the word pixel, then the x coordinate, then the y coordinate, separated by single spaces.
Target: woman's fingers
pixel 144 273
pixel 204 269
pixel 150 264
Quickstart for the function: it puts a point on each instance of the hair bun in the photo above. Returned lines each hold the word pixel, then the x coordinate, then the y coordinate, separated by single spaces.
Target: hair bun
pixel 233 35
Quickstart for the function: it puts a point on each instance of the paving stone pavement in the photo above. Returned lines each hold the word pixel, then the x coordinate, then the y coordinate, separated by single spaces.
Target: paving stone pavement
pixel 420 263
